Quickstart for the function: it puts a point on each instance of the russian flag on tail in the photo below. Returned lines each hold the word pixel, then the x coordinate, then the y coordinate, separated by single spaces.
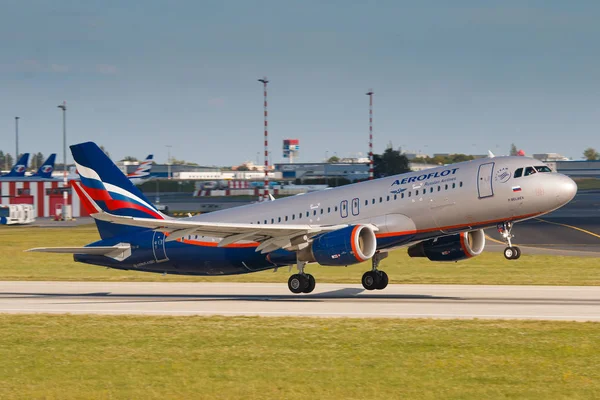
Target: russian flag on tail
pixel 516 188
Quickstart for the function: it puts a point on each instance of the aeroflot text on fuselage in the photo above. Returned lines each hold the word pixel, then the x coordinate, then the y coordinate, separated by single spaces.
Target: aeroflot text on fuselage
pixel 425 176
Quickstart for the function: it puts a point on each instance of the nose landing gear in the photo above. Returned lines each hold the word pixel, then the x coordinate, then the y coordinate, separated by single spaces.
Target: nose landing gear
pixel 511 252
pixel 375 279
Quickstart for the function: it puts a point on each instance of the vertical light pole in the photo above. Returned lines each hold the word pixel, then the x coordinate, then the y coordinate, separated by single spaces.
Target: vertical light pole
pixel 17 138
pixel 325 167
pixel 63 107
pixel 266 191
pixel 370 94
pixel 168 146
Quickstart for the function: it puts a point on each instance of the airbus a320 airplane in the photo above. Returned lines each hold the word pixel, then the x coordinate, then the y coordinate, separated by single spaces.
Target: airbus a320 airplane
pixel 439 213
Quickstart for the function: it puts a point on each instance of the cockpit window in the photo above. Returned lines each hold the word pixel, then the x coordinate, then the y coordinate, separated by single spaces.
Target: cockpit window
pixel 542 168
pixel 518 172
pixel 529 171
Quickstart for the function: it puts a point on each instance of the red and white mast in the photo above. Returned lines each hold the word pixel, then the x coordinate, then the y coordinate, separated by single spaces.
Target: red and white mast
pixel 370 94
pixel 266 191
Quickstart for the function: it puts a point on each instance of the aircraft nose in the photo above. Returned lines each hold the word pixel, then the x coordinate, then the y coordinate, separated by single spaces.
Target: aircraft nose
pixel 566 188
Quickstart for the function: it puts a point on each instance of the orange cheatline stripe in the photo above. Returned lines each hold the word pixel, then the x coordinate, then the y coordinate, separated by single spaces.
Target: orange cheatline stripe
pixel 215 244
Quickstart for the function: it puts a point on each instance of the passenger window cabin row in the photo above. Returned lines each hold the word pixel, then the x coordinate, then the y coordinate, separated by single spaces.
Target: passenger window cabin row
pixel 373 201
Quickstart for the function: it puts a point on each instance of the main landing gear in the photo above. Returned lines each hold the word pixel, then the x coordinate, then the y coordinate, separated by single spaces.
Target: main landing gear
pixel 301 282
pixel 375 279
pixel 511 252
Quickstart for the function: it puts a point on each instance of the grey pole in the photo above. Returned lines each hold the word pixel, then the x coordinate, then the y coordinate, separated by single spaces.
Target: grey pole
pixel 169 161
pixel 17 138
pixel 63 107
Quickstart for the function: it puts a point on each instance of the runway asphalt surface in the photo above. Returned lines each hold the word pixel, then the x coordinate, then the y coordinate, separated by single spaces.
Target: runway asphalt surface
pixel 328 300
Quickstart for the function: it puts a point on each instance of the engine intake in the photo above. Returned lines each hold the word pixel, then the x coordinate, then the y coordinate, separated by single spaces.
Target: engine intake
pixel 351 245
pixel 450 248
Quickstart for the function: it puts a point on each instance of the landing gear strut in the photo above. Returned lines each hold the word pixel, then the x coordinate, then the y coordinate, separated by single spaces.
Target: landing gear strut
pixel 511 252
pixel 301 282
pixel 375 279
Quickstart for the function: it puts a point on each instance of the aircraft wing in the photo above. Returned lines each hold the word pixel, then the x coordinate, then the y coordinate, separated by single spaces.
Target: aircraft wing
pixel 271 236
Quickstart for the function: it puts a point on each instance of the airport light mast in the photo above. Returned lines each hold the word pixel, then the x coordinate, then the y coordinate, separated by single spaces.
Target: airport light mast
pixel 265 196
pixel 63 107
pixel 168 146
pixel 370 94
pixel 17 138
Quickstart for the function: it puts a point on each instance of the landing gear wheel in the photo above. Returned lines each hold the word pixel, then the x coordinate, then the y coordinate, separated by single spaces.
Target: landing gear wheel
pixel 517 253
pixel 383 280
pixel 371 280
pixel 512 253
pixel 311 283
pixel 297 283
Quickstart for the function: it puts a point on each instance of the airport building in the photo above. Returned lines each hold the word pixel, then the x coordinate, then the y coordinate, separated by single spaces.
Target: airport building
pixel 46 196
pixel 350 171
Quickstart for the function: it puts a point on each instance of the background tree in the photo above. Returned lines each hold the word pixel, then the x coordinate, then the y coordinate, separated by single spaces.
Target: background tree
pixel 175 161
pixel 8 159
pixel 129 158
pixel 513 150
pixel 591 154
pixel 450 159
pixel 391 162
pixel 333 159
pixel 243 167
pixel 37 161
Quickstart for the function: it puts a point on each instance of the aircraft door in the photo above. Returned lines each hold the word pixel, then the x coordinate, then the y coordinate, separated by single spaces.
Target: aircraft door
pixel 355 206
pixel 158 247
pixel 484 180
pixel 344 209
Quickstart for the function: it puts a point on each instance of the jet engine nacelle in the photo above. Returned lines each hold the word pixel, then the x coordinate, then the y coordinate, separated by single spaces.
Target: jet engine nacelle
pixel 346 246
pixel 450 248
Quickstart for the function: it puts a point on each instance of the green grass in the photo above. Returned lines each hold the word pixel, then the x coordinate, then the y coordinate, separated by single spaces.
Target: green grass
pixel 489 268
pixel 100 357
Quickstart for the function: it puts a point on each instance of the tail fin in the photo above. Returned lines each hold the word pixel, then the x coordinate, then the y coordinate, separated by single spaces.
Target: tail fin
pixel 143 170
pixel 107 189
pixel 46 169
pixel 18 170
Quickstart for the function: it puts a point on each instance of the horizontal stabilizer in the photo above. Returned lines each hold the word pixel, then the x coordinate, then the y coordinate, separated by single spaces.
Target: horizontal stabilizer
pixel 118 252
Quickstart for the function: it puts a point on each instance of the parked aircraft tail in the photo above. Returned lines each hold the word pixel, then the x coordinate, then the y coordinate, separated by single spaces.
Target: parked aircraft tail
pixel 45 171
pixel 18 170
pixel 143 170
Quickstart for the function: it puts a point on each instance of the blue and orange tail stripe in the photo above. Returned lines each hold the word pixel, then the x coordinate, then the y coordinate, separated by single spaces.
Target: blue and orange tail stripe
pixel 107 187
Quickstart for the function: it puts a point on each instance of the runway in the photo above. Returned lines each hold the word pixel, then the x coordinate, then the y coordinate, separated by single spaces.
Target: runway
pixel 329 300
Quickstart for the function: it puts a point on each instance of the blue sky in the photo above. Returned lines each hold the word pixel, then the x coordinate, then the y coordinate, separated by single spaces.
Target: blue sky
pixel 459 76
